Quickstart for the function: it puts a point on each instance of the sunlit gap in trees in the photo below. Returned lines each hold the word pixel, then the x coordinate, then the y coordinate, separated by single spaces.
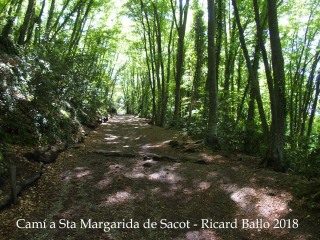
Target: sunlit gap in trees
pixel 122 57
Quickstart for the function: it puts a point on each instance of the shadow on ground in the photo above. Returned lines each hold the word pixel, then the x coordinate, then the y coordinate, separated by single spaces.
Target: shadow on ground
pixel 128 182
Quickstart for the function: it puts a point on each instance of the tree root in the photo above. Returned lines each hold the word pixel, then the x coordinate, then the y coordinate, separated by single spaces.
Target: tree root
pixel 8 198
pixel 46 154
pixel 114 153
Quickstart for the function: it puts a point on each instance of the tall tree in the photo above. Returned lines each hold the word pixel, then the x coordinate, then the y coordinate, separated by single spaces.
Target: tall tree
pixel 150 57
pixel 199 49
pixel 212 78
pixel 252 69
pixel 181 25
pixel 49 20
pixel 275 152
pixel 314 104
pixel 16 8
pixel 26 22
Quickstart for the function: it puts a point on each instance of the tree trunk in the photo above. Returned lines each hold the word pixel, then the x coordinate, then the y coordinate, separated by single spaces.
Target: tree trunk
pixel 181 28
pixel 150 61
pixel 274 155
pixel 253 79
pixel 199 46
pixel 165 89
pixel 6 31
pixel 27 18
pixel 31 27
pixel 212 79
pixel 49 20
pixel 314 105
pixel 66 19
pixel 157 50
pixel 308 92
pixel 38 21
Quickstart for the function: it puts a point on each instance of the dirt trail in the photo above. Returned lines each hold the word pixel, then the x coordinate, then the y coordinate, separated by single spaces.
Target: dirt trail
pixel 130 180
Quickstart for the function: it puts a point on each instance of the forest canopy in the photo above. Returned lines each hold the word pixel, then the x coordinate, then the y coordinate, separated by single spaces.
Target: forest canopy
pixel 241 75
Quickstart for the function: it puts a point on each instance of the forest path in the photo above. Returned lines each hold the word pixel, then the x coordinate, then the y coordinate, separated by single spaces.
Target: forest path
pixel 128 172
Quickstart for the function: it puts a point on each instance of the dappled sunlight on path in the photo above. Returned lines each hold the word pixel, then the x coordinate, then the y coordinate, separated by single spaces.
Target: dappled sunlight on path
pixel 128 170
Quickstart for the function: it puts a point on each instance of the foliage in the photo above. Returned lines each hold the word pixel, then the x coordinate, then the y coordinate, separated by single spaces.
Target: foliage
pixel 49 87
pixel 3 169
pixel 65 63
pixel 305 159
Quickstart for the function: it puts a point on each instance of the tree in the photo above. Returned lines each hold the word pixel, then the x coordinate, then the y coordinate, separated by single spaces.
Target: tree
pixel 199 49
pixel 154 26
pixel 162 71
pixel 275 152
pixel 7 29
pixel 181 29
pixel 26 22
pixel 212 78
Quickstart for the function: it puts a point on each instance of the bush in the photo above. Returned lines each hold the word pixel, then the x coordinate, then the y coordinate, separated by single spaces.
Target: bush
pixel 3 170
pixel 303 156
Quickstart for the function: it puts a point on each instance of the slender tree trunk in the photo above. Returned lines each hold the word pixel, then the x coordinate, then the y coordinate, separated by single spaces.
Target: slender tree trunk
pixel 7 29
pixel 249 142
pixel 157 56
pixel 82 25
pixel 232 49
pixel 168 76
pixel 66 19
pixel 299 77
pixel 274 155
pixel 160 66
pixel 199 47
pixel 76 28
pixel 38 21
pixel 230 59
pixel 314 105
pixel 219 33
pixel 150 61
pixel 308 92
pixel 27 19
pixel 253 79
pixel 31 27
pixel 212 79
pixel 181 28
pixel 49 20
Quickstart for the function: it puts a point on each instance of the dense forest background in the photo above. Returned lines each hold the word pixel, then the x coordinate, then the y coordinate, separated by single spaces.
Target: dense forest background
pixel 242 75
